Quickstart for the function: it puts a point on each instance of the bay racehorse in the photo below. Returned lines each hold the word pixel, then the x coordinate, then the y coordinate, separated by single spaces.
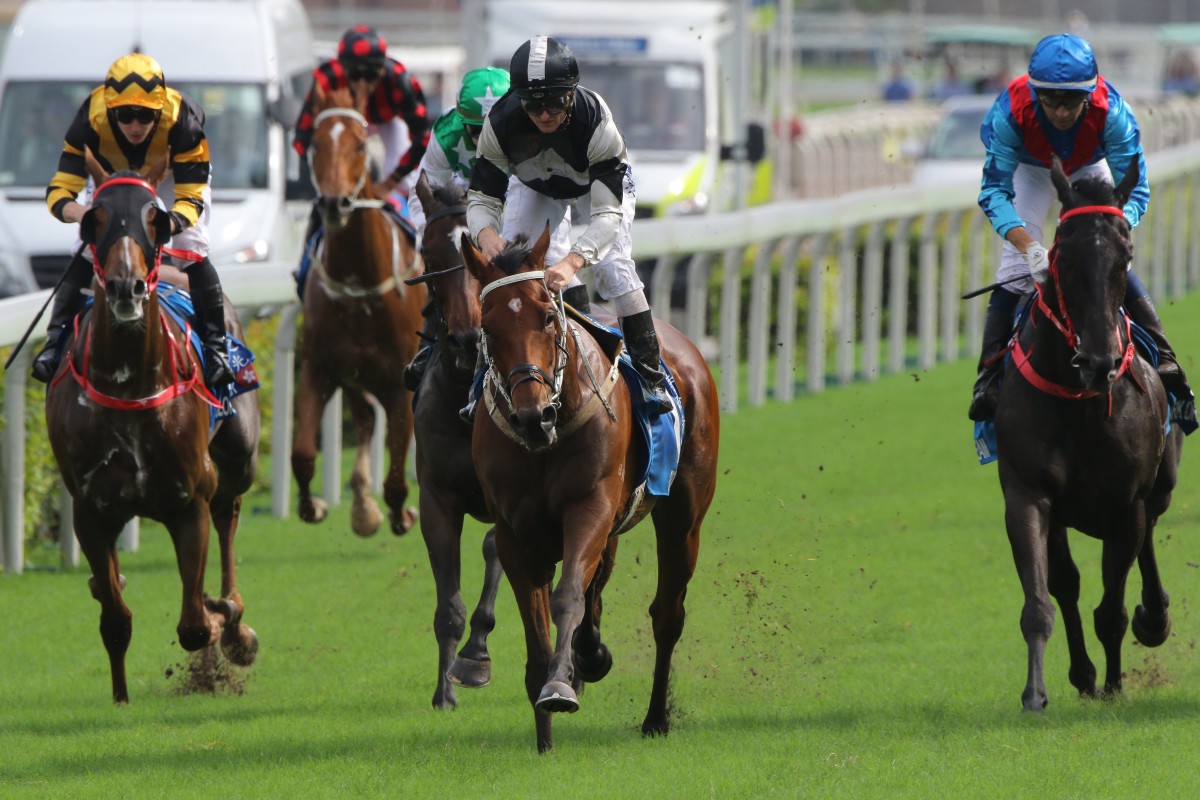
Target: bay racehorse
pixel 558 462
pixel 1083 442
pixel 450 489
pixel 360 320
pixel 128 420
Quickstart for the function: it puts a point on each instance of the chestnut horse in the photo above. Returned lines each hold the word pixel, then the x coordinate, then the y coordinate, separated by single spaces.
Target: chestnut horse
pixel 558 463
pixel 360 320
pixel 1083 442
pixel 128 419
pixel 449 487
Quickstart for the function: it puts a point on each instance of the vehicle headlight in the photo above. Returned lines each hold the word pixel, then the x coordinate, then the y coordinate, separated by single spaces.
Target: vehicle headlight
pixel 258 251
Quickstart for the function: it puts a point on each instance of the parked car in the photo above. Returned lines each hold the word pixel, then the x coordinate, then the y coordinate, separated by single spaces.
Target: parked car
pixel 953 153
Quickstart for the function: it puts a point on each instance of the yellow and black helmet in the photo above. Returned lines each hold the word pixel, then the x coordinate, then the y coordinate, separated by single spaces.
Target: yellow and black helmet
pixel 135 80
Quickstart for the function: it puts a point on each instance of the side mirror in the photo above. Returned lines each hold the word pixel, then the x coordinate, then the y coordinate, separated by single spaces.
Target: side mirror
pixel 756 142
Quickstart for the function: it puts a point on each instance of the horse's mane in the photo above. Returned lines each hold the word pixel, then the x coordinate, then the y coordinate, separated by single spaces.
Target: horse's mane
pixel 513 256
pixel 1095 191
pixel 450 194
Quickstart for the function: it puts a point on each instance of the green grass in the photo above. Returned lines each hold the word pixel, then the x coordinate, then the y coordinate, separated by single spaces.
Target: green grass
pixel 852 632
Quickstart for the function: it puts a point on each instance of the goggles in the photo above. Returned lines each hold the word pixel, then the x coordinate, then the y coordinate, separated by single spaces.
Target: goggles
pixel 129 114
pixel 1068 100
pixel 364 72
pixel 554 103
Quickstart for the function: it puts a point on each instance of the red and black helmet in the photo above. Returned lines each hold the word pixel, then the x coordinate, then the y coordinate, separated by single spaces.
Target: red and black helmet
pixel 362 45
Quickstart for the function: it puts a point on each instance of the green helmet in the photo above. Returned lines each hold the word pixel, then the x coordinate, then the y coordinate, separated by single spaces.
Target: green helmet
pixel 480 90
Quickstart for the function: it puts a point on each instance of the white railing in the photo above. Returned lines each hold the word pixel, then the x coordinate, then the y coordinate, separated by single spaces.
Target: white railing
pixel 774 252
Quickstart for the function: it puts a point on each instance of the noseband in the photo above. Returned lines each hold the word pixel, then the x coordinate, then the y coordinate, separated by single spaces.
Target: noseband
pixel 526 372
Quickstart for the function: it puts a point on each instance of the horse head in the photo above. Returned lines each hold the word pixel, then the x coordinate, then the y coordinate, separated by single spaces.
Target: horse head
pixel 524 340
pixel 455 290
pixel 337 155
pixel 1093 250
pixel 125 227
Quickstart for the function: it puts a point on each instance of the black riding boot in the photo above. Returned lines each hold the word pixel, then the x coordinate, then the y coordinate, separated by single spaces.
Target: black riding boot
pixel 209 303
pixel 301 273
pixel 577 298
pixel 415 371
pixel 643 349
pixel 1170 372
pixel 68 301
pixel 997 330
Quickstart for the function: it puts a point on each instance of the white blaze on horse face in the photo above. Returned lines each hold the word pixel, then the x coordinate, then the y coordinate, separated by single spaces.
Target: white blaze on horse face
pixel 456 237
pixel 514 305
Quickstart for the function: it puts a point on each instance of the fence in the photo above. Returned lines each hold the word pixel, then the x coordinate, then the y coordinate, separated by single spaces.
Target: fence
pixel 851 256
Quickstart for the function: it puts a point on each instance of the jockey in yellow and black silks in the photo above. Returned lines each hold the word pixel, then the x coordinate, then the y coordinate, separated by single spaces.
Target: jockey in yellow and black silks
pixel 132 120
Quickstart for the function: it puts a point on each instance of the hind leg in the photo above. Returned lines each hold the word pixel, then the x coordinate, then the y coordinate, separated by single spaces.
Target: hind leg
pixel 1151 621
pixel 441 528
pixel 473 665
pixel 395 485
pixel 1063 582
pixel 365 517
pixel 1111 619
pixel 98 540
pixel 311 398
pixel 239 643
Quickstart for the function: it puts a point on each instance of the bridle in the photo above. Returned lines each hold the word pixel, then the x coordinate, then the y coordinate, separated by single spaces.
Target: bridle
pixel 1061 320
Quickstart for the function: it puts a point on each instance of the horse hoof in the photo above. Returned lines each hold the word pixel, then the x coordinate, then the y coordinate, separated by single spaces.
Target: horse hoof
pixel 366 521
pixel 470 673
pixel 594 668
pixel 1147 633
pixel 314 510
pixel 404 523
pixel 557 698
pixel 240 645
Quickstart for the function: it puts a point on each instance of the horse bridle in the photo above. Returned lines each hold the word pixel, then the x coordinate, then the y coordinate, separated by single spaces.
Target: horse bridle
pixel 152 251
pixel 352 201
pixel 527 372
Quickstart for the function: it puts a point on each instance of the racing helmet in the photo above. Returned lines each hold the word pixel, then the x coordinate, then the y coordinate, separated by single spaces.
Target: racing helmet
pixel 543 66
pixel 135 80
pixel 480 90
pixel 1063 63
pixel 362 45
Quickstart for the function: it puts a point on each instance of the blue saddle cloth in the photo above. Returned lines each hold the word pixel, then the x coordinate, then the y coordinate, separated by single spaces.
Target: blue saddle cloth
pixel 985 430
pixel 312 246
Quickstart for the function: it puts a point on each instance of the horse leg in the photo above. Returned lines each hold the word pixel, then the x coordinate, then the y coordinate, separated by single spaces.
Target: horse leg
pixel 395 485
pixel 1151 622
pixel 441 529
pixel 1063 582
pixel 1027 524
pixel 592 657
pixel 531 588
pixel 189 532
pixel 239 643
pixel 1111 619
pixel 311 398
pixel 473 665
pixel 365 517
pixel 98 541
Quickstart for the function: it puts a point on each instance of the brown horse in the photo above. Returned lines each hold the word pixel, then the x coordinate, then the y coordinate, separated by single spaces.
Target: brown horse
pixel 128 419
pixel 558 463
pixel 1082 442
pixel 360 320
pixel 449 487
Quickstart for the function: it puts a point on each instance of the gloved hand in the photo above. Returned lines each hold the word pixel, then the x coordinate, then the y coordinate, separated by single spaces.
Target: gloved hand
pixel 1039 262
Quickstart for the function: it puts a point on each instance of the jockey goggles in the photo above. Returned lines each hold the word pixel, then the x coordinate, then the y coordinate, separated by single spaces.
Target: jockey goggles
pixel 1068 100
pixel 554 103
pixel 129 114
pixel 364 72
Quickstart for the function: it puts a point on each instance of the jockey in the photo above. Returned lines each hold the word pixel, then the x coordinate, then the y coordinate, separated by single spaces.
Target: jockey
pixel 1061 106
pixel 560 141
pixel 135 119
pixel 448 161
pixel 394 101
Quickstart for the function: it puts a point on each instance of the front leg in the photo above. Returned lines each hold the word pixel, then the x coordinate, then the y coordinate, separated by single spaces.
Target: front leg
pixel 1027 521
pixel 311 397
pixel 1120 550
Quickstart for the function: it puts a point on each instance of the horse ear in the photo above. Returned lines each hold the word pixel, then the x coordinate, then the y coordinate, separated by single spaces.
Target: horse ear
pixel 98 174
pixel 474 260
pixel 1060 180
pixel 1129 182
pixel 538 254
pixel 87 226
pixel 157 222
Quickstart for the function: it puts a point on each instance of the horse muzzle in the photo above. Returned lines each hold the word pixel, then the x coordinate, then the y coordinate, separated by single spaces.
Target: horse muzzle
pixel 127 299
pixel 335 210
pixel 536 426
pixel 1098 371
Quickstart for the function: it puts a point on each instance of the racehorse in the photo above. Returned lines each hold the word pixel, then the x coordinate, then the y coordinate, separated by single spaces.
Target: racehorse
pixel 445 472
pixel 1083 442
pixel 360 320
pixel 128 420
pixel 558 463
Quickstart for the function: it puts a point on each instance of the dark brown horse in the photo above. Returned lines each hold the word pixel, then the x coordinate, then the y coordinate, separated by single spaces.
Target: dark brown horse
pixel 1082 443
pixel 128 419
pixel 555 453
pixel 449 487
pixel 360 320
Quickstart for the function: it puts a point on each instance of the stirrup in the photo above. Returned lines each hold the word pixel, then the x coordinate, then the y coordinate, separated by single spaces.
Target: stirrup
pixel 217 371
pixel 467 412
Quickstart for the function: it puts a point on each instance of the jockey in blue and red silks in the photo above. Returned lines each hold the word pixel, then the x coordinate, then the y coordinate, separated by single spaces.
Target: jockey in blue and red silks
pixel 1062 107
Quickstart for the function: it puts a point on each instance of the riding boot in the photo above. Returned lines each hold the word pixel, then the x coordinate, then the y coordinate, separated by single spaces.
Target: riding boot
pixel 1170 372
pixel 308 247
pixel 415 371
pixel 997 330
pixel 577 298
pixel 642 341
pixel 467 412
pixel 68 302
pixel 209 303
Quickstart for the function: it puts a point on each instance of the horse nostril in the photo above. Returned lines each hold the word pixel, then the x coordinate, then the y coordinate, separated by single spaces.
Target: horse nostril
pixel 140 289
pixel 345 204
pixel 549 417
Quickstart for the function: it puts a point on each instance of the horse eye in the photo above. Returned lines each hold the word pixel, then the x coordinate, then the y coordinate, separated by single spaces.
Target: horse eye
pixel 550 319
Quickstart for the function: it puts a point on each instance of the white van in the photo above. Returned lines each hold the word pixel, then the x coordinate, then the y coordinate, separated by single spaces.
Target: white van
pixel 248 63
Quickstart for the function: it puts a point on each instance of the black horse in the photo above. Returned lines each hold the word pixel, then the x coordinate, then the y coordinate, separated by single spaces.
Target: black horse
pixel 1084 442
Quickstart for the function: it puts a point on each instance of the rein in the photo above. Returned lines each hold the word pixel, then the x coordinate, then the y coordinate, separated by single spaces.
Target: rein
pixel 1062 321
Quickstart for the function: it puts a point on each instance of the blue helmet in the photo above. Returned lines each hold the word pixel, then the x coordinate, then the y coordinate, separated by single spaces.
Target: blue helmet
pixel 1063 63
